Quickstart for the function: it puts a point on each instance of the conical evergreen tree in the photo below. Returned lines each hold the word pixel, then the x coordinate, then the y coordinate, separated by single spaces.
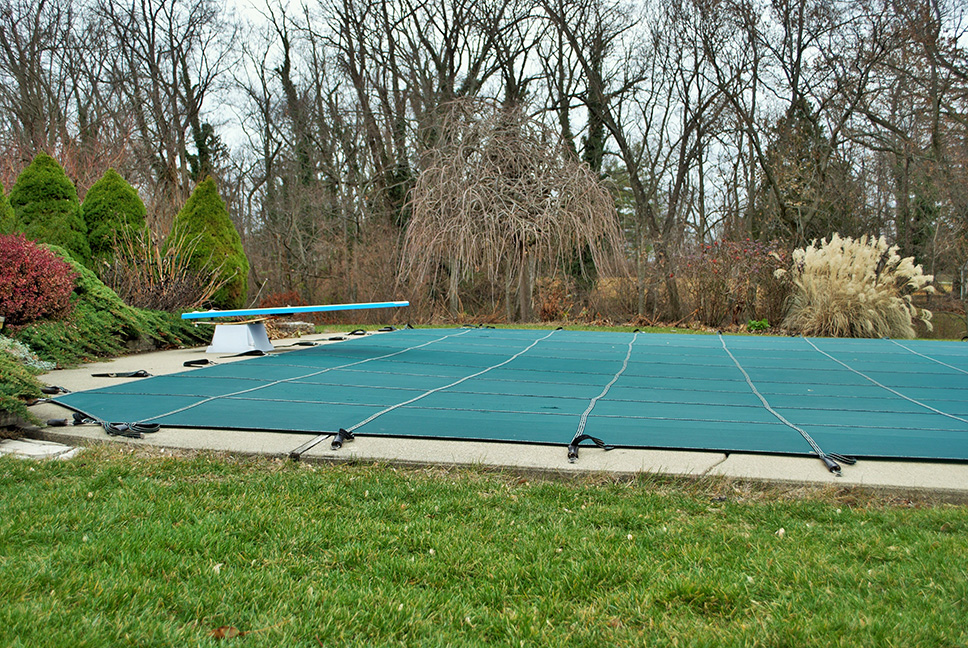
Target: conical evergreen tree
pixel 111 209
pixel 817 191
pixel 205 218
pixel 47 209
pixel 8 220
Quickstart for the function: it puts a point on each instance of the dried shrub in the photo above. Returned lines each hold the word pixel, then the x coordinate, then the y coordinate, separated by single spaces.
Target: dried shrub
pixel 849 287
pixel 372 275
pixel 706 279
pixel 146 275
pixel 773 289
pixel 613 299
pixel 735 281
pixel 556 299
pixel 34 282
pixel 282 299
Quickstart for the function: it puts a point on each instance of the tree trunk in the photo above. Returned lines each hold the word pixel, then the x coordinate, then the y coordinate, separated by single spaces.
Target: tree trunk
pixel 667 265
pixel 525 286
pixel 453 295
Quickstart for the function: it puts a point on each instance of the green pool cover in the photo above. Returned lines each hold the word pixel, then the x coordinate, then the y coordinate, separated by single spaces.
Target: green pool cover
pixel 797 396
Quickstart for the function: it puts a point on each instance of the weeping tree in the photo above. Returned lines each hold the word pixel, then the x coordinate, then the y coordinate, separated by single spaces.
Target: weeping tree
pixel 501 194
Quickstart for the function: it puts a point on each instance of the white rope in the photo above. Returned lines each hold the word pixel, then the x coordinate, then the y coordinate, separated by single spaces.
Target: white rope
pixel 893 391
pixel 944 364
pixel 769 408
pixel 594 401
pixel 453 384
pixel 303 377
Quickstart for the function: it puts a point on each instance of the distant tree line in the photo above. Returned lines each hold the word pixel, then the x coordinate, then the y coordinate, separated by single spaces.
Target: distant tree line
pixel 777 121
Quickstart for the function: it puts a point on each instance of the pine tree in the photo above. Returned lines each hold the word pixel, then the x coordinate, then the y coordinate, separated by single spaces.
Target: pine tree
pixel 205 218
pixel 111 209
pixel 45 203
pixel 814 193
pixel 8 220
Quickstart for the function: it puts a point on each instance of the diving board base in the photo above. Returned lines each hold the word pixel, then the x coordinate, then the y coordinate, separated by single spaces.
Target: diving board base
pixel 239 338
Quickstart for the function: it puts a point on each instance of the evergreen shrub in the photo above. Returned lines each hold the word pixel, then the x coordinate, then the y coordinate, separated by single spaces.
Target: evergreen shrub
pixel 112 209
pixel 849 287
pixel 34 282
pixel 45 203
pixel 205 219
pixel 8 220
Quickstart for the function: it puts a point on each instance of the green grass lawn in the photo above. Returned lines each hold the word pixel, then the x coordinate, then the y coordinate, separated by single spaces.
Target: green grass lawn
pixel 116 549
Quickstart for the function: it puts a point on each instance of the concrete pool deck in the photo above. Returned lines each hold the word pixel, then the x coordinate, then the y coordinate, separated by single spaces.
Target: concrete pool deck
pixel 948 481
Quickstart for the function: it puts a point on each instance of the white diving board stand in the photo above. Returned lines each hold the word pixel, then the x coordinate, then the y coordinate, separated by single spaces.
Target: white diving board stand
pixel 240 337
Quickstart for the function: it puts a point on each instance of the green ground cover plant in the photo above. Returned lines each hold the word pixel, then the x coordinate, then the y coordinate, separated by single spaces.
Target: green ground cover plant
pixel 19 382
pixel 102 325
pixel 115 548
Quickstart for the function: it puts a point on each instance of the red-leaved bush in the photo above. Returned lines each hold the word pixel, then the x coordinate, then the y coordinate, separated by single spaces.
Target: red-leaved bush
pixel 35 283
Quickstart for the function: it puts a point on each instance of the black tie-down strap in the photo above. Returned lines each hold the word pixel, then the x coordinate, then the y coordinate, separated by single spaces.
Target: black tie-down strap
pixel 130 430
pixel 244 354
pixel 201 362
pixel 830 460
pixel 573 446
pixel 340 338
pixel 135 430
pixel 342 435
pixel 140 373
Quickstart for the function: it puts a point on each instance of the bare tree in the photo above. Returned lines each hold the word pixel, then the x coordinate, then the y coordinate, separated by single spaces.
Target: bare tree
pixel 658 113
pixel 170 55
pixel 52 91
pixel 914 126
pixel 37 49
pixel 501 195
pixel 796 75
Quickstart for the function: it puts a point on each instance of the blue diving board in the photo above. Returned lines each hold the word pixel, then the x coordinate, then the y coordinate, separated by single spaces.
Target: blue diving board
pixel 291 310
pixel 251 336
